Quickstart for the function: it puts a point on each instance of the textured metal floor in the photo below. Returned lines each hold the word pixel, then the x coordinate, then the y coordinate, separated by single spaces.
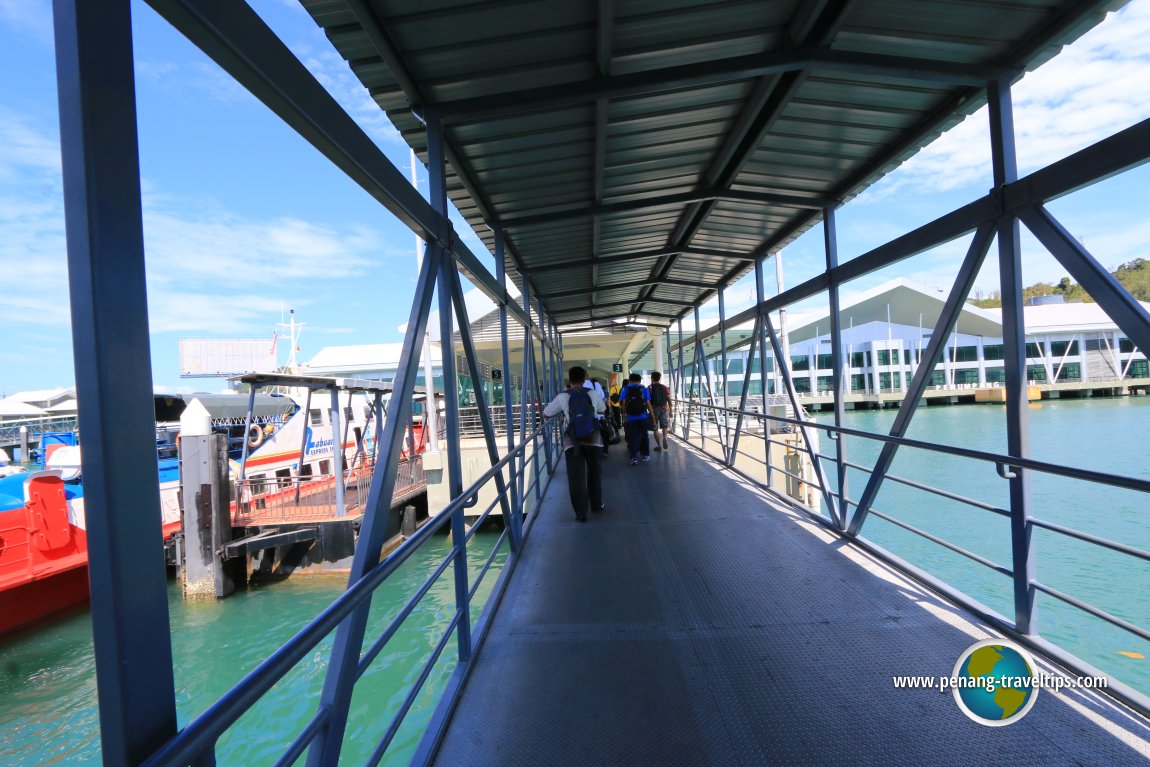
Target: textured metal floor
pixel 691 623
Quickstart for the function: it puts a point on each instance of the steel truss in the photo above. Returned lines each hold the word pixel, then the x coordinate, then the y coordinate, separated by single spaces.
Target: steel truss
pixel 110 339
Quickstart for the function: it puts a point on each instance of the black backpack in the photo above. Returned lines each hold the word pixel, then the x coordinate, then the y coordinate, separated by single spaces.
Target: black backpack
pixel 658 394
pixel 634 404
pixel 581 423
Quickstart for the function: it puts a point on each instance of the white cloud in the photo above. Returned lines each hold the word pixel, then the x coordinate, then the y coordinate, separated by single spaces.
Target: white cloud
pixel 1092 89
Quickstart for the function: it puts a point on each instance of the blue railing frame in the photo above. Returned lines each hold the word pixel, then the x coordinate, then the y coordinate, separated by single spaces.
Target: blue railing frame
pixel 195 743
pixel 1005 466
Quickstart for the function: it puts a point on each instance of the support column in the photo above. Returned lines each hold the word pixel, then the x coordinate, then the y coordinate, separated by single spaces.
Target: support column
pixel 831 243
pixel 1014 357
pixel 515 532
pixel 110 342
pixel 337 454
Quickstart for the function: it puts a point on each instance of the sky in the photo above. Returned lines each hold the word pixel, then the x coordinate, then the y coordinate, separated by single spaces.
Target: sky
pixel 243 219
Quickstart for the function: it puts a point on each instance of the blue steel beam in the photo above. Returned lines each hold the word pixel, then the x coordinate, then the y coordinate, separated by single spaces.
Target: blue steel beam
pixel 1005 170
pixel 947 319
pixel 341 674
pixel 760 300
pixel 831 246
pixel 235 37
pixel 1114 299
pixel 514 521
pixel 110 342
pixel 784 369
pixel 706 73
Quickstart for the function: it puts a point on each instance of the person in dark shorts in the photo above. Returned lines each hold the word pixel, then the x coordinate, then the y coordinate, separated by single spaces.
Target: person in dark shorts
pixel 661 408
pixel 583 453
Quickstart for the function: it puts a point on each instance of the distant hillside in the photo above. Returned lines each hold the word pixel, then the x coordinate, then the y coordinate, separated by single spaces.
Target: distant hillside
pixel 1135 276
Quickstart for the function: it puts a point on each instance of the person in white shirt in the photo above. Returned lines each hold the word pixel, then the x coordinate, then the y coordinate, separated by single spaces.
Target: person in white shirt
pixel 584 472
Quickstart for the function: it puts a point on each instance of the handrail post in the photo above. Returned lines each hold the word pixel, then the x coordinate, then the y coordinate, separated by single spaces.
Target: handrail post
pixel 1005 169
pixel 830 240
pixel 515 529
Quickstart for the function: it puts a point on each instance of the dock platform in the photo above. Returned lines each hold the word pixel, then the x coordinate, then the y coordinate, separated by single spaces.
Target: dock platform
pixel 697 621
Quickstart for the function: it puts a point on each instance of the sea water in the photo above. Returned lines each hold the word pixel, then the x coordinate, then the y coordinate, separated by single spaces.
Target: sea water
pixel 1105 435
pixel 48 710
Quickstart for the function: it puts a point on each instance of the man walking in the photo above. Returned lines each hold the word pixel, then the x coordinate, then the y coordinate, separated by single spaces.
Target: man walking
pixel 661 407
pixel 635 402
pixel 582 443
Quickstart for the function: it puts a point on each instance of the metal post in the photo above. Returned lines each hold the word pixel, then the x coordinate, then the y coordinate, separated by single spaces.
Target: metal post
pixel 337 454
pixel 245 449
pixel 341 675
pixel 525 397
pixel 437 185
pixel 302 441
pixel 830 240
pixel 110 341
pixel 515 531
pixel 726 430
pixel 760 298
pixel 682 383
pixel 1014 357
pixel 746 389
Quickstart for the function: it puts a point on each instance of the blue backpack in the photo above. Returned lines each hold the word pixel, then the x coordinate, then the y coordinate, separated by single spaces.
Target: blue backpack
pixel 581 423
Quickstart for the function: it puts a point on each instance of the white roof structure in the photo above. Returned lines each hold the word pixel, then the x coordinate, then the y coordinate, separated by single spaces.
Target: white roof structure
pixel 42 398
pixel 13 408
pixel 359 358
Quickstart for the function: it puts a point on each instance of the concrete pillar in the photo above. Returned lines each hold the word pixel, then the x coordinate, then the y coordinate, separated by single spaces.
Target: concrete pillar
pixel 657 343
pixel 24 444
pixel 205 516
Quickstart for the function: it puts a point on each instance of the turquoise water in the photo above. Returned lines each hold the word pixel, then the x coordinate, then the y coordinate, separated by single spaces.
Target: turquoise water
pixel 48 686
pixel 1107 435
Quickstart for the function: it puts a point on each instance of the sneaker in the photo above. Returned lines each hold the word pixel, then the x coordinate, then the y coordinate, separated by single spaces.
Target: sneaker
pixel 634 461
pixel 646 458
pixel 657 448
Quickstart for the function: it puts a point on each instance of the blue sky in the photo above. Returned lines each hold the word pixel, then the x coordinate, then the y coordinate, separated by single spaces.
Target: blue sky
pixel 242 218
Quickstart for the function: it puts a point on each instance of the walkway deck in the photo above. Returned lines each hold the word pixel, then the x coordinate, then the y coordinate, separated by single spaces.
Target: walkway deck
pixel 691 624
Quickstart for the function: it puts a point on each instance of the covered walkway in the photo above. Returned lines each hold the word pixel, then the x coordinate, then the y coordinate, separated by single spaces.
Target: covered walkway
pixel 697 621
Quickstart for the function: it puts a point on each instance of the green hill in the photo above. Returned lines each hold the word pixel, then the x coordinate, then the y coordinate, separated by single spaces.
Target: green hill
pixel 1134 276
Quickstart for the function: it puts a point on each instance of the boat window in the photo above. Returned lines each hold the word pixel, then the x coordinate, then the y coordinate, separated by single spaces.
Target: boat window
pixel 316 417
pixel 305 470
pixel 325 467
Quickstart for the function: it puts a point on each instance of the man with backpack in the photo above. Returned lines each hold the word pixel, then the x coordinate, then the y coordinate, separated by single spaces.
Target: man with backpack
pixel 661 408
pixel 582 443
pixel 635 402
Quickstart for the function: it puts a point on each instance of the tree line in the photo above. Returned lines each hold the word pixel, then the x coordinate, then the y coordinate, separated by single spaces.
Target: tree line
pixel 1134 276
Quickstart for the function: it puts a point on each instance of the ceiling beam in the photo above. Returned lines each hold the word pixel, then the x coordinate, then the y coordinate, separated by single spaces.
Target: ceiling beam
pixel 638 256
pixel 625 286
pixel 703 73
pixel 598 208
pixel 628 302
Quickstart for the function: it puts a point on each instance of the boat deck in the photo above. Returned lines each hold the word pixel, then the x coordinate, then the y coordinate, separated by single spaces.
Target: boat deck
pixel 697 622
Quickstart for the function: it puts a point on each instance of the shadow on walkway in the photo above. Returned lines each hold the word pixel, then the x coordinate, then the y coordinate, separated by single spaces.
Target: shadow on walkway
pixel 696 621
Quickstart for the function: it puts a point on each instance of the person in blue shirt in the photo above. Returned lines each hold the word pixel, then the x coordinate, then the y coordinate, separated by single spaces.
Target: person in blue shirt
pixel 635 402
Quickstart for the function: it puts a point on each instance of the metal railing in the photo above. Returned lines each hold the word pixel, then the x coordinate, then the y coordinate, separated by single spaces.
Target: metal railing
pixel 10 430
pixel 470 423
pixel 196 743
pixel 286 499
pixel 715 427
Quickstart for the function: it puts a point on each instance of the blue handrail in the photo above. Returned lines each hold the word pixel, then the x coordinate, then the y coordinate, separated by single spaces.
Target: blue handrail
pixel 196 742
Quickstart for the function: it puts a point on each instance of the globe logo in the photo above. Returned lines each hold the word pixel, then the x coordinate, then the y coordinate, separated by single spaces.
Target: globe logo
pixel 997 682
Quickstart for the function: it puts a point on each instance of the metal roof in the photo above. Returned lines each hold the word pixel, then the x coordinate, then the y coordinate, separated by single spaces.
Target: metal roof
pixel 639 153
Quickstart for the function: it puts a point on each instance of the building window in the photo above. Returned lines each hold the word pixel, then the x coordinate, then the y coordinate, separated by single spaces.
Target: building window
pixel 734 388
pixel 826 362
pixel 802 385
pixel 826 384
pixel 884 356
pixel 1125 345
pixel 966 376
pixel 1058 349
pixel 1139 369
pixel 937 378
pixel 1036 373
pixel 1071 371
pixel 992 352
pixel 858 360
pixel 996 375
pixel 801 363
pixel 889 381
pixel 858 383
pixel 1034 352
pixel 964 354
pixel 735 365
pixel 906 356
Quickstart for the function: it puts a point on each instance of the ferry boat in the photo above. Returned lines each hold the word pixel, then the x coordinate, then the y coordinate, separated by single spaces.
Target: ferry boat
pixel 43 534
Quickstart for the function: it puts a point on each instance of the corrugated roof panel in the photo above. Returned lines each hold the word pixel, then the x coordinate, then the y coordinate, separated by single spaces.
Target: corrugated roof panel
pixel 818 133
